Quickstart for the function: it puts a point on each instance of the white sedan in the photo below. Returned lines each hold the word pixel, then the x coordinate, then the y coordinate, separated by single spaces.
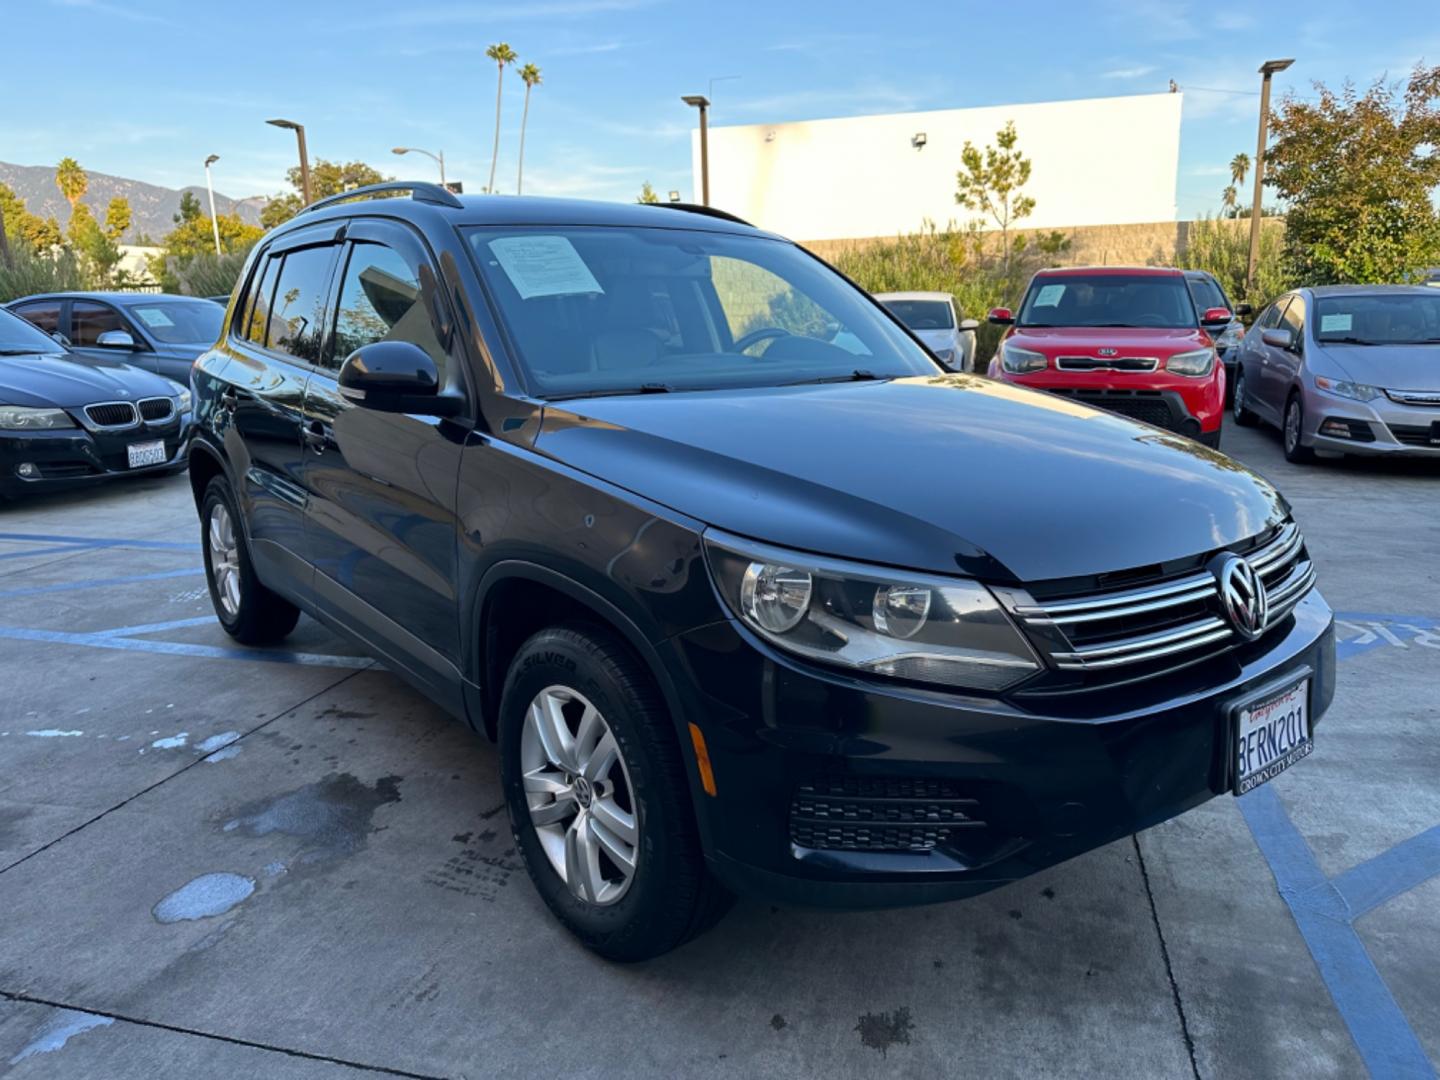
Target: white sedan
pixel 932 317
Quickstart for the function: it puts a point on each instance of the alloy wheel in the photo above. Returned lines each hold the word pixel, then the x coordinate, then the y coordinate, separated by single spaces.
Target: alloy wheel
pixel 224 559
pixel 578 793
pixel 1292 426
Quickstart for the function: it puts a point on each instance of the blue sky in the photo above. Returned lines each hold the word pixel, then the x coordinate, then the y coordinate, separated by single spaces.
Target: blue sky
pixel 148 88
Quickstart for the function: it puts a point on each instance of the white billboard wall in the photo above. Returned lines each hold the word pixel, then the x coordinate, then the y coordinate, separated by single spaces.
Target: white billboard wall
pixel 1103 161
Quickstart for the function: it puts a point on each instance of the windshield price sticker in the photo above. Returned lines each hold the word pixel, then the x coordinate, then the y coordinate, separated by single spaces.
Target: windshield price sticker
pixel 1335 324
pixel 1049 296
pixel 544 266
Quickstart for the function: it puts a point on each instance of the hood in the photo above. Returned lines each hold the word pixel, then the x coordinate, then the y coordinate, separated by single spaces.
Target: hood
pixel 928 473
pixel 43 379
pixel 1126 340
pixel 1394 367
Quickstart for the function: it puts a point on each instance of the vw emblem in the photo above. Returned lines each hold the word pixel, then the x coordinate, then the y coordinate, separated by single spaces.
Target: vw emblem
pixel 1106 352
pixel 1242 595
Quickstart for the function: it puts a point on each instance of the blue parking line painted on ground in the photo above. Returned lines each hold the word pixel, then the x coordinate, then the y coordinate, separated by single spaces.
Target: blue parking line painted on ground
pixel 1408 864
pixel 99 583
pixel 100 541
pixel 156 627
pixel 54 550
pixel 176 648
pixel 1384 1038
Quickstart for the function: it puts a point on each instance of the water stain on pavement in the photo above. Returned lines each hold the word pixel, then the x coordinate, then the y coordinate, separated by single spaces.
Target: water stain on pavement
pixel 880 1031
pixel 59 1028
pixel 205 896
pixel 332 816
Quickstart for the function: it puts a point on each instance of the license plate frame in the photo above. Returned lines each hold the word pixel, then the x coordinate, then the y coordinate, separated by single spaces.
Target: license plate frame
pixel 1251 715
pixel 142 455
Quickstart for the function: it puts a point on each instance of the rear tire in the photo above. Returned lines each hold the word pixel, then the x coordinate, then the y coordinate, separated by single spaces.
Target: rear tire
pixel 249 612
pixel 576 830
pixel 1238 406
pixel 1295 451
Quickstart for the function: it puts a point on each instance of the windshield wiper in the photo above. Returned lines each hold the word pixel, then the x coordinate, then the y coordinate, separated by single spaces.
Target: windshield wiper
pixel 11 350
pixel 858 375
pixel 617 391
pixel 1348 341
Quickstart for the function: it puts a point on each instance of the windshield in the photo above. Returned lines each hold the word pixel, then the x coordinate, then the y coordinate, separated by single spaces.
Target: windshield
pixel 180 322
pixel 18 336
pixel 1108 300
pixel 1378 319
pixel 605 309
pixel 921 314
pixel 1206 294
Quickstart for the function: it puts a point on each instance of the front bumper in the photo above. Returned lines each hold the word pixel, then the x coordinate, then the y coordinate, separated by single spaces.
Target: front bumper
pixel 1374 428
pixel 1190 407
pixel 1005 788
pixel 75 457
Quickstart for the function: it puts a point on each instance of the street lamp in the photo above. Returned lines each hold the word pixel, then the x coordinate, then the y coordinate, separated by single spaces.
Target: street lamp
pixel 701 102
pixel 210 190
pixel 439 158
pixel 1267 69
pixel 299 130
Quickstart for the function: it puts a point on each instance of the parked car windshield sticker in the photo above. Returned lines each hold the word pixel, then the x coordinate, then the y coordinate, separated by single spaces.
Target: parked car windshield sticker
pixel 153 316
pixel 544 266
pixel 1049 296
pixel 1335 324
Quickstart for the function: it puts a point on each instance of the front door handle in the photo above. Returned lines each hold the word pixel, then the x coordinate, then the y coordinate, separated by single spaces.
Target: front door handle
pixel 229 400
pixel 314 435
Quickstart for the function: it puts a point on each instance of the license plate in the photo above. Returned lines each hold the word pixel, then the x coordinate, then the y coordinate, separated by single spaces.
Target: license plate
pixel 1271 734
pixel 146 453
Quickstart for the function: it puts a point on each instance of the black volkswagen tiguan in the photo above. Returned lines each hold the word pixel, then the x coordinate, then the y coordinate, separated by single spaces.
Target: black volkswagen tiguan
pixel 754 596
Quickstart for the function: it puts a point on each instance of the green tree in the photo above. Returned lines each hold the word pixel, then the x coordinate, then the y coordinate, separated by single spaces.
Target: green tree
pixel 117 218
pixel 990 184
pixel 188 251
pixel 189 209
pixel 70 178
pixel 503 55
pixel 530 75
pixel 1359 173
pixel 22 227
pixel 648 194
pixel 326 178
pixel 99 253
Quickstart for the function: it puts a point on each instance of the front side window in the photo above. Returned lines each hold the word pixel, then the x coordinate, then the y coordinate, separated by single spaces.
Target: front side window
pixel 605 309
pixel 17 336
pixel 297 320
pixel 1134 300
pixel 1378 318
pixel 382 299
pixel 1294 318
pixel 257 305
pixel 89 320
pixel 1207 294
pixel 922 314
pixel 45 314
pixel 180 322
pixel 1271 319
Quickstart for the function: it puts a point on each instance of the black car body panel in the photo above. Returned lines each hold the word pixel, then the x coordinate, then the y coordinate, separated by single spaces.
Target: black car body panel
pixel 436 542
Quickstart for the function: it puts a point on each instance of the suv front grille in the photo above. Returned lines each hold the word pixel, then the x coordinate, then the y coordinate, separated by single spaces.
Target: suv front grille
pixel 1103 363
pixel 1115 629
pixel 853 813
pixel 111 414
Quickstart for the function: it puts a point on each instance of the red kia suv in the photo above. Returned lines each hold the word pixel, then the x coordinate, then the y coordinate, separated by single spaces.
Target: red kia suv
pixel 1126 339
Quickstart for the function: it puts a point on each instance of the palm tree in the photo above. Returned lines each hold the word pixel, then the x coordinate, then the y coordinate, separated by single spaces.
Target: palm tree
pixel 70 178
pixel 531 76
pixel 502 54
pixel 1239 166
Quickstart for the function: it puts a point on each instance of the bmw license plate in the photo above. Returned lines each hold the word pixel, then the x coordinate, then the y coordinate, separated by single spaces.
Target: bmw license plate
pixel 1271 734
pixel 146 453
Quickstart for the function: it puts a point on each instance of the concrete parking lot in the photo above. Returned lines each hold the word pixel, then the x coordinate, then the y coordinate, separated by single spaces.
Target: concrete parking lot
pixel 222 861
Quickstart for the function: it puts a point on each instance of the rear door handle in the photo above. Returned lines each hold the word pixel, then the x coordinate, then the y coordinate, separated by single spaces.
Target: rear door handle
pixel 315 436
pixel 229 399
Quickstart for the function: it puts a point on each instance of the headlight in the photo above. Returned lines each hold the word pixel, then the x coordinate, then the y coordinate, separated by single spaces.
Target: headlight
pixel 1353 390
pixel 945 356
pixel 1018 361
pixel 182 404
pixel 1194 364
pixel 22 418
pixel 918 627
pixel 1232 336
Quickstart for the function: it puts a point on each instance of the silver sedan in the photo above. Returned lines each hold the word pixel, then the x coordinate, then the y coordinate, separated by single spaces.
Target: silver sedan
pixel 1345 369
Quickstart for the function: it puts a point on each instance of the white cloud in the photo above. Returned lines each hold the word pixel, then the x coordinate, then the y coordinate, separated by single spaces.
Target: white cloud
pixel 1128 72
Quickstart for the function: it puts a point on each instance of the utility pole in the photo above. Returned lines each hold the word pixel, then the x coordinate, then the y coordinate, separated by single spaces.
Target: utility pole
pixel 210 190
pixel 701 102
pixel 1267 69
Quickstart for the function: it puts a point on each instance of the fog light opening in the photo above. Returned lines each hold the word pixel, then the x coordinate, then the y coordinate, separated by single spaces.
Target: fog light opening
pixel 28 470
pixel 1337 429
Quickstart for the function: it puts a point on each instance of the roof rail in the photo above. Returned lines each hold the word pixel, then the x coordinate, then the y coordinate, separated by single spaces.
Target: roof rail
pixel 708 211
pixel 419 190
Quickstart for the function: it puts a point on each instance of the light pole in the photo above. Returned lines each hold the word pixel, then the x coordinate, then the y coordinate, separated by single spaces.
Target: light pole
pixel 439 158
pixel 210 190
pixel 701 102
pixel 1267 69
pixel 299 130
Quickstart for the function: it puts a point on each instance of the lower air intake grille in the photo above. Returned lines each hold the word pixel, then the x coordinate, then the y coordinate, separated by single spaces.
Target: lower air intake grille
pixel 879 814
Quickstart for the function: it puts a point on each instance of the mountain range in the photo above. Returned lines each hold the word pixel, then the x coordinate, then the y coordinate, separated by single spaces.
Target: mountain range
pixel 152 207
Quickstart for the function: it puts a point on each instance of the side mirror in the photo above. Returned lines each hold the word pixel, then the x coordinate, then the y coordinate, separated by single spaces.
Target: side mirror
pixel 1278 338
pixel 1244 309
pixel 969 324
pixel 396 377
pixel 1215 316
pixel 1000 316
pixel 116 339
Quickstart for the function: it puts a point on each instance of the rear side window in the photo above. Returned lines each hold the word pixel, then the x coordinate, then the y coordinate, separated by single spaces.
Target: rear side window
pixel 297 315
pixel 383 299
pixel 89 320
pixel 45 315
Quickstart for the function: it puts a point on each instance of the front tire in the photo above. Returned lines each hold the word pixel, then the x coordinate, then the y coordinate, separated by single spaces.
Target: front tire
pixel 249 612
pixel 1238 407
pixel 1295 451
pixel 598 796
